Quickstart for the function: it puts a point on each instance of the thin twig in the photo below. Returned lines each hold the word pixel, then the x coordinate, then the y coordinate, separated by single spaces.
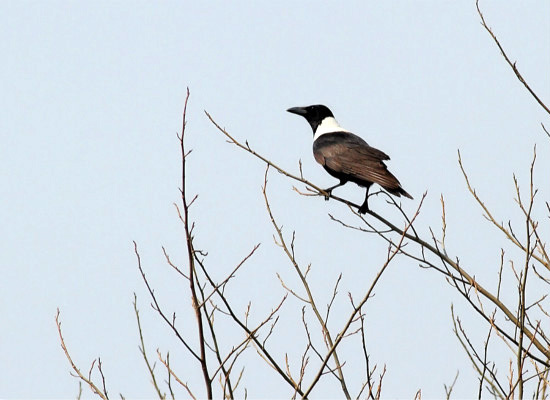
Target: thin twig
pixel 144 353
pixel 510 63
pixel 79 374
pixel 173 374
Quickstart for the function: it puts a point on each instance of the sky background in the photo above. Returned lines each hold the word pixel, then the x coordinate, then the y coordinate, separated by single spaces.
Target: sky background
pixel 92 95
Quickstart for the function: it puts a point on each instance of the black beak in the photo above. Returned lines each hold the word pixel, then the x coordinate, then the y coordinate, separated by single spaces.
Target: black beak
pixel 298 110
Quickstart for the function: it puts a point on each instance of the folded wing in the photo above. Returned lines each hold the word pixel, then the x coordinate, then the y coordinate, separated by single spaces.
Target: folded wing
pixel 346 154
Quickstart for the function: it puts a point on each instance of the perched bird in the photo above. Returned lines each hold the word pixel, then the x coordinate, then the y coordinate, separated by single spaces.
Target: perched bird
pixel 346 156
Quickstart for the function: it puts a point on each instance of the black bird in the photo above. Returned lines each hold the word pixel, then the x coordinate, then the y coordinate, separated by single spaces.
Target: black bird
pixel 346 156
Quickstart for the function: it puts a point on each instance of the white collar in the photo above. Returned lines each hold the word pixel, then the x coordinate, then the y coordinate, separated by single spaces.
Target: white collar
pixel 328 125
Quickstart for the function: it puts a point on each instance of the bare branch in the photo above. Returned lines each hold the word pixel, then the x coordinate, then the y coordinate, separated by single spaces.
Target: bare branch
pixel 510 63
pixel 87 380
pixel 173 374
pixel 342 333
pixel 449 389
pixel 305 284
pixel 144 353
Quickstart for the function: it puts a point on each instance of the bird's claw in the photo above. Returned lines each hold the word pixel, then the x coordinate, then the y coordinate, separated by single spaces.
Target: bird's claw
pixel 364 207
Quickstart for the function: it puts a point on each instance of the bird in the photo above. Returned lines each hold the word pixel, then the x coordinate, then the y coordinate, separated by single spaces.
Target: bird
pixel 347 156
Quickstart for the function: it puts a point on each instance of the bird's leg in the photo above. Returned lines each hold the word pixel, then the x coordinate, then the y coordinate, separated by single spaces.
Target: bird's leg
pixel 330 189
pixel 365 206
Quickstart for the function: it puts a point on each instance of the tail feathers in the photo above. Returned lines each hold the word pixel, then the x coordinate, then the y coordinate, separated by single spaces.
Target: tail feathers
pixel 399 192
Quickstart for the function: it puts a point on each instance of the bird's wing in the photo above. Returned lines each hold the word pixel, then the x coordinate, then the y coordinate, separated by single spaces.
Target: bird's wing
pixel 348 154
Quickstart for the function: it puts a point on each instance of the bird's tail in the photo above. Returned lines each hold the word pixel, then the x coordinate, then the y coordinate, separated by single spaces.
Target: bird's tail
pixel 399 192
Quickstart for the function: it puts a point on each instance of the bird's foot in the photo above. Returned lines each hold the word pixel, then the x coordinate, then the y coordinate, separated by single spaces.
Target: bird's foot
pixel 328 193
pixel 364 208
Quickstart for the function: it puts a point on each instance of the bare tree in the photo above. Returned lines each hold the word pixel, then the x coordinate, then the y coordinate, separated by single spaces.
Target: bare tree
pixel 520 325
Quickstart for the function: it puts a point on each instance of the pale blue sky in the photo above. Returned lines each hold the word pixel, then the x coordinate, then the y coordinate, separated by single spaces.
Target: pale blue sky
pixel 92 100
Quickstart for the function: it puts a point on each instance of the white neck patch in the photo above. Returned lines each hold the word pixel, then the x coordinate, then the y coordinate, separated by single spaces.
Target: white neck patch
pixel 328 125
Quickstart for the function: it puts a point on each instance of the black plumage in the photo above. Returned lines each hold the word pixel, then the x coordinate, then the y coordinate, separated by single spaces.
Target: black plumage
pixel 346 156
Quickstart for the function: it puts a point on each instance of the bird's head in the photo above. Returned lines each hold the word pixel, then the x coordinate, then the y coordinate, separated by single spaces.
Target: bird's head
pixel 313 114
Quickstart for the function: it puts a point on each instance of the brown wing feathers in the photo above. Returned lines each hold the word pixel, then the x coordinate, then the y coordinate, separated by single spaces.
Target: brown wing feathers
pixel 360 165
pixel 350 155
